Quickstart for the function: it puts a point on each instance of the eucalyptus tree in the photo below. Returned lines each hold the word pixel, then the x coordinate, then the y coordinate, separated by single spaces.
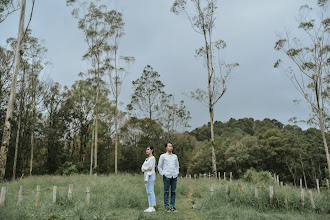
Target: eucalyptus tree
pixel 309 68
pixel 201 15
pixel 149 97
pixel 7 7
pixel 98 25
pixel 117 68
pixel 9 114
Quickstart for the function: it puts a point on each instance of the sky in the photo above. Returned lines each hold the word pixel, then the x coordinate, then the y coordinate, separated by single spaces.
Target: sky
pixel 155 36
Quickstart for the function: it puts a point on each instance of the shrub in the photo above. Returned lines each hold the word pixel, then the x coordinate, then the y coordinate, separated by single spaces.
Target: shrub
pixel 68 168
pixel 258 177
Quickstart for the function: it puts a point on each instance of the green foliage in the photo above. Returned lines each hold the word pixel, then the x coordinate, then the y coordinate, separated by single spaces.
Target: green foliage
pixel 68 168
pixel 255 177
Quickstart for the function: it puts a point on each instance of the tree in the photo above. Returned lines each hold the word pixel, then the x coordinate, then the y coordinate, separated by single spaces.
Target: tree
pixel 117 73
pixel 202 20
pixel 149 96
pixel 310 73
pixel 98 26
pixel 9 114
pixel 7 7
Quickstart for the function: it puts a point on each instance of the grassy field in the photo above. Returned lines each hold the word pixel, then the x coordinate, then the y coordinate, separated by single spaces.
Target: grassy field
pixel 123 196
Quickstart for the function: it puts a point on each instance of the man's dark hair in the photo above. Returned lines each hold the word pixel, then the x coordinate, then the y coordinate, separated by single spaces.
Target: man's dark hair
pixel 167 144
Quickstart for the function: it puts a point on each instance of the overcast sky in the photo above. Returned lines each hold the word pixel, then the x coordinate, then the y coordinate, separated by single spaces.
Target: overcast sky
pixel 157 37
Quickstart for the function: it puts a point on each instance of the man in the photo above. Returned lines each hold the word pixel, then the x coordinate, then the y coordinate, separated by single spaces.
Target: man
pixel 168 167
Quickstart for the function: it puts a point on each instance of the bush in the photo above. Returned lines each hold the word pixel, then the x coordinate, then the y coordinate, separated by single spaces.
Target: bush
pixel 68 168
pixel 258 177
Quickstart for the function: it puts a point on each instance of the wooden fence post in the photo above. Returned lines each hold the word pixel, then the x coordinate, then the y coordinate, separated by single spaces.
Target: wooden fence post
pixel 256 193
pixel 224 175
pixel 311 198
pixel 38 196
pixel 211 189
pixel 230 176
pixel 195 176
pixel 227 192
pixel 88 195
pixel 300 183
pixel 302 196
pixel 70 191
pixel 278 180
pixel 3 195
pixel 318 185
pixel 20 195
pixel 271 193
pixel 240 189
pixel 54 193
pixel 285 199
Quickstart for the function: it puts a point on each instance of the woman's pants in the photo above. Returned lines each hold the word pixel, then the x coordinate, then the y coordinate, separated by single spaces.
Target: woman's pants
pixel 150 190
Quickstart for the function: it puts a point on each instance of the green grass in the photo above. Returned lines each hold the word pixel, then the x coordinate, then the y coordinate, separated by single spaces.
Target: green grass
pixel 123 196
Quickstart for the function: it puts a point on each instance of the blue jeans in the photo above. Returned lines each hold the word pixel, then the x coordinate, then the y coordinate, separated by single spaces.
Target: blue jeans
pixel 167 183
pixel 150 190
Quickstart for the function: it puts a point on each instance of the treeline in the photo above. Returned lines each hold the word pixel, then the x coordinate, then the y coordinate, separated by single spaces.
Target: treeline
pixel 269 145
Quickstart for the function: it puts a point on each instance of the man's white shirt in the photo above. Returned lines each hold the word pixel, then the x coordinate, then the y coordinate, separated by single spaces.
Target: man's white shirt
pixel 168 165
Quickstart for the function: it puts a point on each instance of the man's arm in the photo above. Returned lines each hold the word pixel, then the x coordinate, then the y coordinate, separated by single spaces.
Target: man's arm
pixel 177 167
pixel 160 165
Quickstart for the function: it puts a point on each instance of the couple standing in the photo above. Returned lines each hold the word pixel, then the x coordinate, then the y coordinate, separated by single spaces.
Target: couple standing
pixel 168 167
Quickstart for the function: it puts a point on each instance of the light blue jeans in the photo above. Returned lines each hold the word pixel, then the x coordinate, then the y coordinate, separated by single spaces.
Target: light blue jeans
pixel 150 190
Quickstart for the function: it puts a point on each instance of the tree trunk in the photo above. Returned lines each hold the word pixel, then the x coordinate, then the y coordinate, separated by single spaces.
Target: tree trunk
pixel 116 113
pixel 96 117
pixel 325 141
pixel 16 147
pixel 207 50
pixel 91 165
pixel 33 126
pixel 10 108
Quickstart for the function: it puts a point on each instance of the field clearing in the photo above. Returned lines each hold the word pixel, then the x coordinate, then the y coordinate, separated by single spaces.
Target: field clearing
pixel 123 196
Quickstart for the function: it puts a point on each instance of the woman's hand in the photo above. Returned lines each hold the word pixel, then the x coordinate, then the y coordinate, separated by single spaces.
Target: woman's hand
pixel 149 169
pixel 145 182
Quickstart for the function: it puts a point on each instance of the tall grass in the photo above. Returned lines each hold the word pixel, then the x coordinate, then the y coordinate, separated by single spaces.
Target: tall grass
pixel 123 196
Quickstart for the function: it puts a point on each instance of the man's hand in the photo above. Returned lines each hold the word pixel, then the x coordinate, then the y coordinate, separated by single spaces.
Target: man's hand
pixel 145 182
pixel 149 169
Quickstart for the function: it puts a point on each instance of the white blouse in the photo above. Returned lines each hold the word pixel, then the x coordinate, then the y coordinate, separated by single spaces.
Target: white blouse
pixel 149 162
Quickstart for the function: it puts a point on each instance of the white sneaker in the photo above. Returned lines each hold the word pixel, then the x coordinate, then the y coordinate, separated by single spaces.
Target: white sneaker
pixel 152 209
pixel 148 209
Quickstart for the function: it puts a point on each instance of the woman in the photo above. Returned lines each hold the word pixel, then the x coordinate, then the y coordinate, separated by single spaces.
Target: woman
pixel 148 168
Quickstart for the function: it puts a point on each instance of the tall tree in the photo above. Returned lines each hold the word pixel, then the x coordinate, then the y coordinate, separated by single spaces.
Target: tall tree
pixel 96 23
pixel 309 71
pixel 117 71
pixel 201 15
pixel 9 114
pixel 149 96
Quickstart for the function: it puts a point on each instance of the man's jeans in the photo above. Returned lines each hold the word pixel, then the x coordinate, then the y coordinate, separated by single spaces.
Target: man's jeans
pixel 167 183
pixel 150 190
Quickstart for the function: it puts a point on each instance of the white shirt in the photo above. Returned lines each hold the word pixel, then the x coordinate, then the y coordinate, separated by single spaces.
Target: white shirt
pixel 168 165
pixel 149 162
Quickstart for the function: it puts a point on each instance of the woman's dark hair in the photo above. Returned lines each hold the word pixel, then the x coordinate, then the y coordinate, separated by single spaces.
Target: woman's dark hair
pixel 151 148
